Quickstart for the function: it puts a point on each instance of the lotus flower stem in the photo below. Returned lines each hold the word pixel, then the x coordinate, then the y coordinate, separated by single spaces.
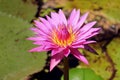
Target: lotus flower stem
pixel 66 69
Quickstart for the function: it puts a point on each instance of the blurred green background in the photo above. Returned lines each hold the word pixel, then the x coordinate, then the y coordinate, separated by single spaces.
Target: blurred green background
pixel 16 63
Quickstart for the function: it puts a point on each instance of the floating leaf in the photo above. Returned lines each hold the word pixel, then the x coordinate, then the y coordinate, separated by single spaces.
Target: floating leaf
pixel 83 74
pixel 111 12
pixel 101 64
pixel 15 60
pixel 19 8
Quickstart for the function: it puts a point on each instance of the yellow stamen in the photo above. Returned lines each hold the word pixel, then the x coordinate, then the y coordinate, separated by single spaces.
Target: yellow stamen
pixel 66 39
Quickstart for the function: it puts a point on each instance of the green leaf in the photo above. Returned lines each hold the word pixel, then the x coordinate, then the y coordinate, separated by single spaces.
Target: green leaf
pixel 19 8
pixel 111 12
pixel 15 61
pixel 100 63
pixel 83 74
pixel 114 52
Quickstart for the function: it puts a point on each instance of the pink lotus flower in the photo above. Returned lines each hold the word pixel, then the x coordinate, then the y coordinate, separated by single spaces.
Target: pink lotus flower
pixel 63 36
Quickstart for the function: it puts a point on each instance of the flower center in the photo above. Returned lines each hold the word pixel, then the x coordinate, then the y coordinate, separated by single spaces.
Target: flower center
pixel 63 33
pixel 63 36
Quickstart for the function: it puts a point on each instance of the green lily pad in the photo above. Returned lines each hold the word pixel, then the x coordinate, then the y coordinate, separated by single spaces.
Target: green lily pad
pixel 102 6
pixel 100 63
pixel 83 74
pixel 19 8
pixel 114 52
pixel 15 61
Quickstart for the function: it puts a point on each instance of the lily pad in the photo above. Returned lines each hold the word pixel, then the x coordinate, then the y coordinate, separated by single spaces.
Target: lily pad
pixel 83 74
pixel 102 6
pixel 19 8
pixel 15 61
pixel 101 64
